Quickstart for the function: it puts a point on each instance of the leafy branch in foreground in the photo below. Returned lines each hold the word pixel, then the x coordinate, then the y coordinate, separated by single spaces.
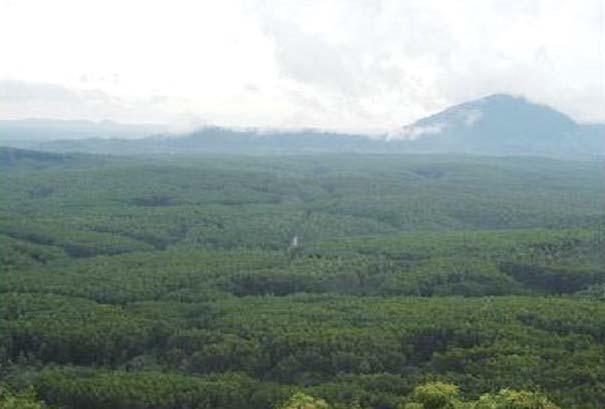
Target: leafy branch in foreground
pixel 439 395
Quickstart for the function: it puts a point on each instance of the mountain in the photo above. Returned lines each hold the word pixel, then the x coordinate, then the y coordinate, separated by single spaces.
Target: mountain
pixel 495 125
pixel 29 132
pixel 503 125
pixel 218 140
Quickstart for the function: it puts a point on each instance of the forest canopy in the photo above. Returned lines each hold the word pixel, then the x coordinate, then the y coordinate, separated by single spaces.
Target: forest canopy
pixel 312 281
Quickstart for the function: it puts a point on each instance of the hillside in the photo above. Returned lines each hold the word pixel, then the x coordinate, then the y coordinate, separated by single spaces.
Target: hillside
pixel 503 125
pixel 177 279
pixel 27 133
pixel 497 125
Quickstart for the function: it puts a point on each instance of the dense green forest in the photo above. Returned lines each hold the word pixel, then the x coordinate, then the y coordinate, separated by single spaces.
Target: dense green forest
pixel 345 281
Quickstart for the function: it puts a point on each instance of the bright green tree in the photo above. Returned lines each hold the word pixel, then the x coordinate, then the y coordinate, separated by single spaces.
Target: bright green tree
pixel 303 401
pixel 24 400
pixel 434 395
pixel 511 399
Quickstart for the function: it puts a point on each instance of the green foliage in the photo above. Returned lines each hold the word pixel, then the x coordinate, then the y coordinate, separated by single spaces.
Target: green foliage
pixel 303 401
pixel 23 400
pixel 413 405
pixel 440 395
pixel 132 283
pixel 437 395
pixel 81 388
pixel 510 399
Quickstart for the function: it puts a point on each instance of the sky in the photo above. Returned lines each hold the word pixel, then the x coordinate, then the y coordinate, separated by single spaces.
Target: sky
pixel 355 65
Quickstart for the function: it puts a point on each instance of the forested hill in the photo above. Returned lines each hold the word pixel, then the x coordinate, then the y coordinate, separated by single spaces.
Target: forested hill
pixel 497 125
pixel 177 282
pixel 36 130
pixel 502 124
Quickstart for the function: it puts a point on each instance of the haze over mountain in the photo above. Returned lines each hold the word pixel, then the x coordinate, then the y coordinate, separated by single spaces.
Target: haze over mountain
pixel 502 124
pixel 36 130
pixel 499 124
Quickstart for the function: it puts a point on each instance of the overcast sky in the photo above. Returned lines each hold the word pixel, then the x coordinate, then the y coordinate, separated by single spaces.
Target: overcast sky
pixel 354 64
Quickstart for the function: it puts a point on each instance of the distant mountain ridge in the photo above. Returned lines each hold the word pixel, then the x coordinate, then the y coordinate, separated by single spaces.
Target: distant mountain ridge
pixel 498 125
pixel 37 130
pixel 503 124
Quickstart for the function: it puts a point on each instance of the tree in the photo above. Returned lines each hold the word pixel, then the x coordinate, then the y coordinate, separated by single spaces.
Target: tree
pixel 511 399
pixel 24 400
pixel 303 401
pixel 438 395
pixel 435 395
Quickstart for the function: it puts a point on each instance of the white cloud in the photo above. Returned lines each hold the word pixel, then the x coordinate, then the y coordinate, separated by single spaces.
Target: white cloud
pixel 413 132
pixel 20 99
pixel 471 116
pixel 364 64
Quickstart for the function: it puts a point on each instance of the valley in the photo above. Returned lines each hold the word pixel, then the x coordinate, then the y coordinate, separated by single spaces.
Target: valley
pixel 160 279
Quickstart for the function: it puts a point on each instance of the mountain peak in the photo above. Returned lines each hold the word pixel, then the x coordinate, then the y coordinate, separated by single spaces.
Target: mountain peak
pixel 498 123
pixel 503 97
